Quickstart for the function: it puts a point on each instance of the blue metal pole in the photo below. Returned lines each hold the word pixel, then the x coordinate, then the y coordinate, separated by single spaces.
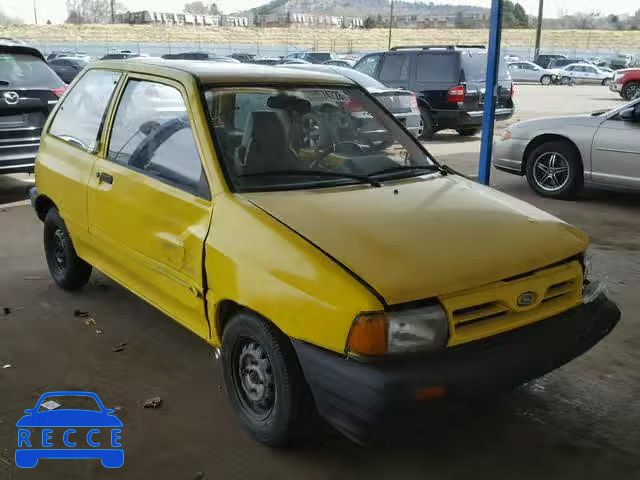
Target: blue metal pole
pixel 491 92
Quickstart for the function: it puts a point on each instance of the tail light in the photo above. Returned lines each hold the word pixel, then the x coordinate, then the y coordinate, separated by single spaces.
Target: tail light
pixel 413 102
pixel 456 94
pixel 353 106
pixel 58 92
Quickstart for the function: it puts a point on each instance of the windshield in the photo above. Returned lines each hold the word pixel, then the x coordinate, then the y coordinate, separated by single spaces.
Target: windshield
pixel 292 138
pixel 69 402
pixel 21 70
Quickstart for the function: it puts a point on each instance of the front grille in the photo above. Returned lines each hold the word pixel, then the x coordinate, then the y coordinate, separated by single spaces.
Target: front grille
pixel 495 308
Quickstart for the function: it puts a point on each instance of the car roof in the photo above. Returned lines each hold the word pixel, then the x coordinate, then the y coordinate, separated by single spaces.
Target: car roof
pixel 8 45
pixel 222 72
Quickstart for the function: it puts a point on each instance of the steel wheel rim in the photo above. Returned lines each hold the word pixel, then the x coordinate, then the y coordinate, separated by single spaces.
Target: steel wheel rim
pixel 421 127
pixel 546 80
pixel 632 90
pixel 253 379
pixel 59 256
pixel 551 171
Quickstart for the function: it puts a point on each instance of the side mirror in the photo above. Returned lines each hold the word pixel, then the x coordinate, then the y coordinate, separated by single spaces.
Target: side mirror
pixel 109 411
pixel 628 114
pixel 29 411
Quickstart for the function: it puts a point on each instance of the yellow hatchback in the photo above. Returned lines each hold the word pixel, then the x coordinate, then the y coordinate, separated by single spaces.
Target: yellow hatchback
pixel 285 217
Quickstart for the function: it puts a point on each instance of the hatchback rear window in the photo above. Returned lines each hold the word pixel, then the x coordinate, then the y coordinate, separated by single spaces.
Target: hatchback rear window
pixel 21 70
pixel 437 67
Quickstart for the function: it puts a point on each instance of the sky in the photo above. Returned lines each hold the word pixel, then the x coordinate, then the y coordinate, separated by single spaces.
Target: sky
pixel 55 10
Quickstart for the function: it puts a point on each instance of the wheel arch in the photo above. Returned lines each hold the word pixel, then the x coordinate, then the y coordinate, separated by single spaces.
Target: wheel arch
pixel 545 138
pixel 42 205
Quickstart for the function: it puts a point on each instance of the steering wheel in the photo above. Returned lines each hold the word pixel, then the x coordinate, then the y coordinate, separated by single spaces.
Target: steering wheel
pixel 324 153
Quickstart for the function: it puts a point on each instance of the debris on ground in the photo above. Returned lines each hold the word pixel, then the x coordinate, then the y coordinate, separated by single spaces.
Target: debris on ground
pixel 6 310
pixel 119 346
pixel 35 277
pixel 80 313
pixel 99 331
pixel 199 476
pixel 89 321
pixel 153 402
pixel 51 405
pixel 7 365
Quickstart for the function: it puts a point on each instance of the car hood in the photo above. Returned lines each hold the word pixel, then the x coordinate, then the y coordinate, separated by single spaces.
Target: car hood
pixel 426 236
pixel 69 418
pixel 555 123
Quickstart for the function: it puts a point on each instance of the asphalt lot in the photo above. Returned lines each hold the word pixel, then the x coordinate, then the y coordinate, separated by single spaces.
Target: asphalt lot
pixel 579 422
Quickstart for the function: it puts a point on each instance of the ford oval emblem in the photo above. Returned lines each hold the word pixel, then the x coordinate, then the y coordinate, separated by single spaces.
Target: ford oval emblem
pixel 526 299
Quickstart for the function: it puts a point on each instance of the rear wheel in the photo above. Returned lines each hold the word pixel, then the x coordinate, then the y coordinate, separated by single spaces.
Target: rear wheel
pixel 68 270
pixel 565 81
pixel 545 80
pixel 264 381
pixel 468 132
pixel 428 128
pixel 606 82
pixel 553 170
pixel 630 90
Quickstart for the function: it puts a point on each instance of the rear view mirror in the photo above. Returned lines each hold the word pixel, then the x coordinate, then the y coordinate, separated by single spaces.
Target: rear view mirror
pixel 147 127
pixel 289 103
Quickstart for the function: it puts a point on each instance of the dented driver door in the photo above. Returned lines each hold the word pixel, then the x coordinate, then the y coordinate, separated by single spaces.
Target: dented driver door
pixel 149 204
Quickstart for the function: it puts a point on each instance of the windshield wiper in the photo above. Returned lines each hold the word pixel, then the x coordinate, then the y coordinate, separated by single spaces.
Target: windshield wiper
pixel 403 168
pixel 317 173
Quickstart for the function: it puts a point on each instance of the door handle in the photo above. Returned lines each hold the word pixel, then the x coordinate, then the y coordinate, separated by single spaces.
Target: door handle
pixel 104 177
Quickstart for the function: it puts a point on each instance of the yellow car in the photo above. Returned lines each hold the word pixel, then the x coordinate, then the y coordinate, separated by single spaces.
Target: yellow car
pixel 289 220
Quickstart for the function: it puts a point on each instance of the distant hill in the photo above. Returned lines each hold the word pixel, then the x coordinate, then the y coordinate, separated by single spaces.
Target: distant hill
pixel 360 8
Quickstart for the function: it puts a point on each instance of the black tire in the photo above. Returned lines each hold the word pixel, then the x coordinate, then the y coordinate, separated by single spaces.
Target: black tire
pixel 629 90
pixel 565 81
pixel 546 80
pixel 468 132
pixel 606 82
pixel 563 187
pixel 68 270
pixel 428 128
pixel 283 410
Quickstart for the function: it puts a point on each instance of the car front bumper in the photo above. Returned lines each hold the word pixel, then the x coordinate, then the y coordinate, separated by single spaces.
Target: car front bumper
pixel 615 87
pixel 365 399
pixel 508 155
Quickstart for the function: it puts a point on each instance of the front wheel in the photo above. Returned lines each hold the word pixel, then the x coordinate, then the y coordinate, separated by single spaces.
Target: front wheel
pixel 545 80
pixel 630 90
pixel 68 270
pixel 264 381
pixel 565 81
pixel 468 132
pixel 606 82
pixel 553 170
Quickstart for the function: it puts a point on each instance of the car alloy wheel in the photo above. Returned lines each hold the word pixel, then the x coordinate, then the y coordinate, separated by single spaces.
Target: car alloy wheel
pixel 253 379
pixel 551 171
pixel 545 80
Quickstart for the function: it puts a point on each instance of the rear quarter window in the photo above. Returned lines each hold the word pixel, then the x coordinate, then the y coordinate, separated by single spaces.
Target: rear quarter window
pixel 437 67
pixel 80 116
pixel 22 70
pixel 395 68
pixel 474 65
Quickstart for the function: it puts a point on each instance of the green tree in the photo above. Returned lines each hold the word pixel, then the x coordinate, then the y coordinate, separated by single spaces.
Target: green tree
pixel 214 10
pixel 513 15
pixel 197 8
pixel 369 22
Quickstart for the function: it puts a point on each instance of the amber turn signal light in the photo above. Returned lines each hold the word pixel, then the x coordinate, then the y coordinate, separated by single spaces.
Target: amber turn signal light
pixel 368 335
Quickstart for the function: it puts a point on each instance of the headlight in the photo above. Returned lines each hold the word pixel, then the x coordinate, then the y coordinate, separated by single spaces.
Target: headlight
pixel 402 331
pixel 592 286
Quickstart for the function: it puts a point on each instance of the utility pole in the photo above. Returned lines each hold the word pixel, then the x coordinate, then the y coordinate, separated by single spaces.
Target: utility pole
pixel 539 28
pixel 390 23
pixel 113 12
pixel 35 13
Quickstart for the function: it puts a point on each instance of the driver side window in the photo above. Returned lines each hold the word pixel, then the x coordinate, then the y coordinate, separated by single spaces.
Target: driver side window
pixel 152 134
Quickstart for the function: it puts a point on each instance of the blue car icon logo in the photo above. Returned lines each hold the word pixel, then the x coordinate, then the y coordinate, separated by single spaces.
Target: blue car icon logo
pixel 92 431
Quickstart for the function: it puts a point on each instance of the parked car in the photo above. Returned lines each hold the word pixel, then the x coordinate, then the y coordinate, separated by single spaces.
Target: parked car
pixel 338 62
pixel 583 73
pixel 623 60
pixel 559 155
pixel 545 59
pixel 565 62
pixel 449 82
pixel 364 295
pixel 243 57
pixel 29 89
pixel 118 56
pixel 401 103
pixel 266 60
pixel 201 56
pixel 530 72
pixel 294 61
pixel 67 68
pixel 65 53
pixel 626 82
pixel 311 57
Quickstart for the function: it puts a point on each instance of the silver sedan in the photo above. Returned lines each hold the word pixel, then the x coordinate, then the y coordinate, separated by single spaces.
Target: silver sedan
pixel 530 72
pixel 560 155
pixel 583 73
